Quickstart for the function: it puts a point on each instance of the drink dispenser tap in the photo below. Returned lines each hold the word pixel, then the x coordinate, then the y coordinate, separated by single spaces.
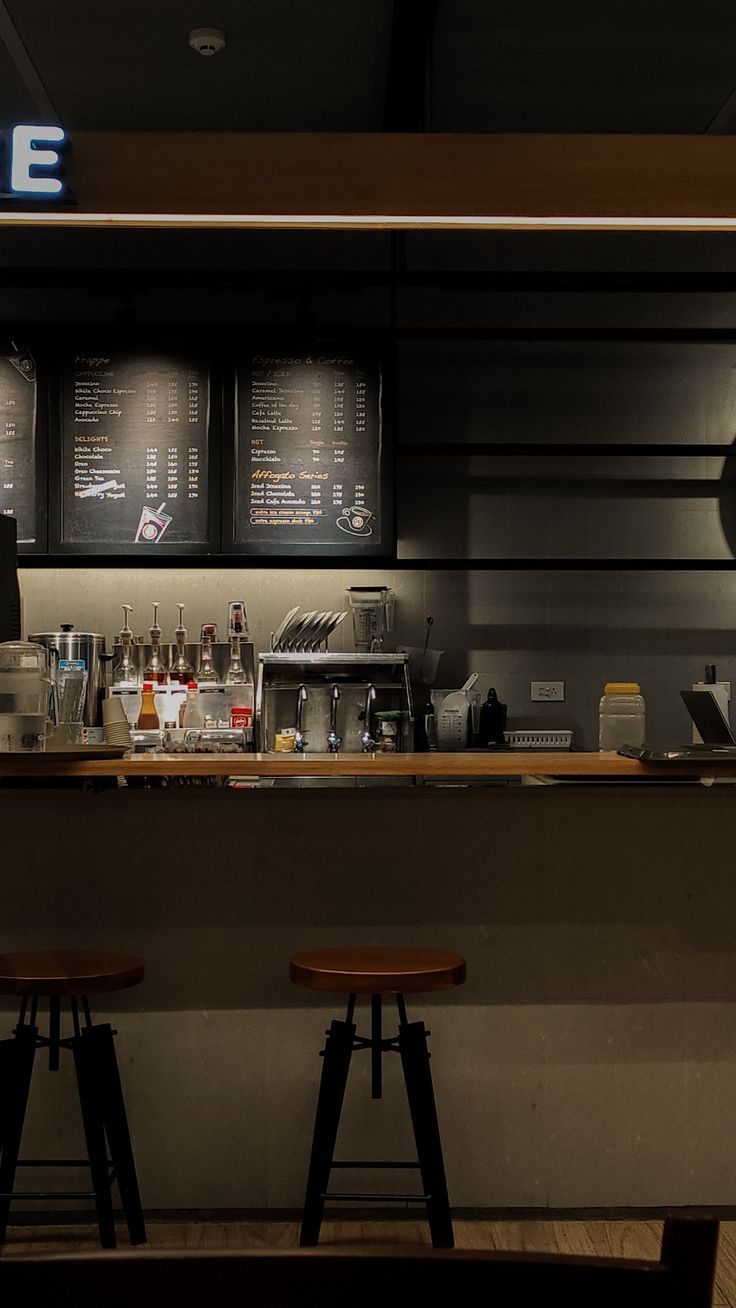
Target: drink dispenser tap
pixel 301 697
pixel 333 740
pixel 125 672
pixel 367 742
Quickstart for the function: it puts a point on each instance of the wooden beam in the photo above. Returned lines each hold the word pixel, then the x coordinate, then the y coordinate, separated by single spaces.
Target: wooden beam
pixel 397 181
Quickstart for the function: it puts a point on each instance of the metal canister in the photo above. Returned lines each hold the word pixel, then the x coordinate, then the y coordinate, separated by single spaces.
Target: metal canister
pixel 79 648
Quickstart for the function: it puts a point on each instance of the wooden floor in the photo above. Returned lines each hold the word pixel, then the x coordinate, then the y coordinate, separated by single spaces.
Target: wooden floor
pixel 626 1238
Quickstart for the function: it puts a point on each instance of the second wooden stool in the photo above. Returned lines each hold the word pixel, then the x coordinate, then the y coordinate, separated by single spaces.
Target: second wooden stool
pixel 378 971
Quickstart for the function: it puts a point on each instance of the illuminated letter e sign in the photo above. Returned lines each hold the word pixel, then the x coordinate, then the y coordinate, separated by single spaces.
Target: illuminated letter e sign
pixel 34 162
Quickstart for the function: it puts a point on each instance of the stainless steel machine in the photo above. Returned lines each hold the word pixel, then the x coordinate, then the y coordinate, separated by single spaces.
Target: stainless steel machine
pixel 84 650
pixel 332 703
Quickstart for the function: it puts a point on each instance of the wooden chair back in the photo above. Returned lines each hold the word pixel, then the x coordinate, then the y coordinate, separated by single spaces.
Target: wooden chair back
pixel 371 1278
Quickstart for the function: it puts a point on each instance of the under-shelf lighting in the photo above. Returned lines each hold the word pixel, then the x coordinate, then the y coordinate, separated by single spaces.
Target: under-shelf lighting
pixel 516 222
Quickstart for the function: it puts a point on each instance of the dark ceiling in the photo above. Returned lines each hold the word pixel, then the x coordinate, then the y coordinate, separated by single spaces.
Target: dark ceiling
pixel 323 65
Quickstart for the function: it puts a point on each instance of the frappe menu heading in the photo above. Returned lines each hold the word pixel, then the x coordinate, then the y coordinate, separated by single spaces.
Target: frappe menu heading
pixel 309 451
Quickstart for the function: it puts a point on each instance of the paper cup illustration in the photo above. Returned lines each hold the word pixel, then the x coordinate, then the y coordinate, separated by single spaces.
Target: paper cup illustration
pixel 152 525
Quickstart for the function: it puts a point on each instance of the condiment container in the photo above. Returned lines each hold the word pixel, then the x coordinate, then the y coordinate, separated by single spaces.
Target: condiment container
pixel 191 714
pixel 621 715
pixel 241 716
pixel 387 730
pixel 148 719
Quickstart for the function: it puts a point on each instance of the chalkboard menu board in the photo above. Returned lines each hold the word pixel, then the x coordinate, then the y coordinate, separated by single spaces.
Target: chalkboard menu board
pixel 134 474
pixel 19 485
pixel 310 456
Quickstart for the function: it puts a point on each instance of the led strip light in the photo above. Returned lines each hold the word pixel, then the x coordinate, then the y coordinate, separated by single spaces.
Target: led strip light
pixel 518 222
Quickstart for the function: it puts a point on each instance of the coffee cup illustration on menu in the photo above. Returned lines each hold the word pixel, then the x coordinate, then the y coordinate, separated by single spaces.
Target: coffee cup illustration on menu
pixel 356 521
pixel 152 525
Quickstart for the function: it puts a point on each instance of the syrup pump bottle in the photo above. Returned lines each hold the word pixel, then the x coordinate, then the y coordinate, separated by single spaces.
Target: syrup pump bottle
pixel 206 671
pixel 155 669
pixel 181 669
pixel 236 674
pixel 125 672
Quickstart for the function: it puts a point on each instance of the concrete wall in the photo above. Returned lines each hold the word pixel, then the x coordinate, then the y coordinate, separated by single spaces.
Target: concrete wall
pixel 589 1060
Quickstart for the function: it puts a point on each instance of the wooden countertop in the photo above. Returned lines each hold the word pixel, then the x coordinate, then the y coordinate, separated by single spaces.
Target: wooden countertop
pixel 516 763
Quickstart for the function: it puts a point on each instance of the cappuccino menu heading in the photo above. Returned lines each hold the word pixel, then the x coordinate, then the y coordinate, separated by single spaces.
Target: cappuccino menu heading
pixel 308 459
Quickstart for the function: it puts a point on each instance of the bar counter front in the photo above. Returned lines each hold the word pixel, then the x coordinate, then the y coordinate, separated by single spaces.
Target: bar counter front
pixel 597 916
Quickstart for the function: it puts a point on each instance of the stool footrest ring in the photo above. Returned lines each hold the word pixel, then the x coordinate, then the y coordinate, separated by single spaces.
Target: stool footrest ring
pixel 370 1164
pixel 54 1162
pixel 49 1194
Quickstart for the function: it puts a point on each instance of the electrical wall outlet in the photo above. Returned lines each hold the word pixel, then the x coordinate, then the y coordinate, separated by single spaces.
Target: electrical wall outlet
pixel 544 691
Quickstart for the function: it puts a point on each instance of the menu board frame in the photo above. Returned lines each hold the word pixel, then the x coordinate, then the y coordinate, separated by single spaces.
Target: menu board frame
pixel 41 440
pixel 350 552
pixel 139 341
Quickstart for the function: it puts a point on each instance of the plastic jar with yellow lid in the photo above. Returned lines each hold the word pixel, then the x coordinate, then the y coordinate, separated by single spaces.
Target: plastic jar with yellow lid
pixel 621 715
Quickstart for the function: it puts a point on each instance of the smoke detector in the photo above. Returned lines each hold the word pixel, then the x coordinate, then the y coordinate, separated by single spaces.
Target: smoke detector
pixel 207 40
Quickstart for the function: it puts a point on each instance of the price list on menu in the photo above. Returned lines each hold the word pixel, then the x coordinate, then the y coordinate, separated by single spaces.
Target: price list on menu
pixel 309 452
pixel 135 451
pixel 18 441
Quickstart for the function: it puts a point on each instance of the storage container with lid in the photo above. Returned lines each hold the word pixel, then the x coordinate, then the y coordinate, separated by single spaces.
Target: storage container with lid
pixel 621 715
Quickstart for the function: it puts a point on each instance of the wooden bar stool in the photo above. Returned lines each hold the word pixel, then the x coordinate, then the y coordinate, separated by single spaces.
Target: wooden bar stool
pixel 74 975
pixel 378 971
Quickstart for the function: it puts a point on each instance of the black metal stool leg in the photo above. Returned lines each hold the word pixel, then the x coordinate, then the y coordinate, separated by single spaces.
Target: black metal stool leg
pixel 90 1100
pixel 337 1054
pixel 116 1127
pixel 16 1069
pixel 418 1079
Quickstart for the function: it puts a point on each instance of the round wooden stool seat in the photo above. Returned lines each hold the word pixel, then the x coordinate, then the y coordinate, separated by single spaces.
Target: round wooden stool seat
pixel 378 970
pixel 68 972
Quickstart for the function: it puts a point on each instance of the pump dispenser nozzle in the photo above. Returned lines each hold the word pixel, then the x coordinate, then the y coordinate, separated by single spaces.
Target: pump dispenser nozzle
pixel 154 630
